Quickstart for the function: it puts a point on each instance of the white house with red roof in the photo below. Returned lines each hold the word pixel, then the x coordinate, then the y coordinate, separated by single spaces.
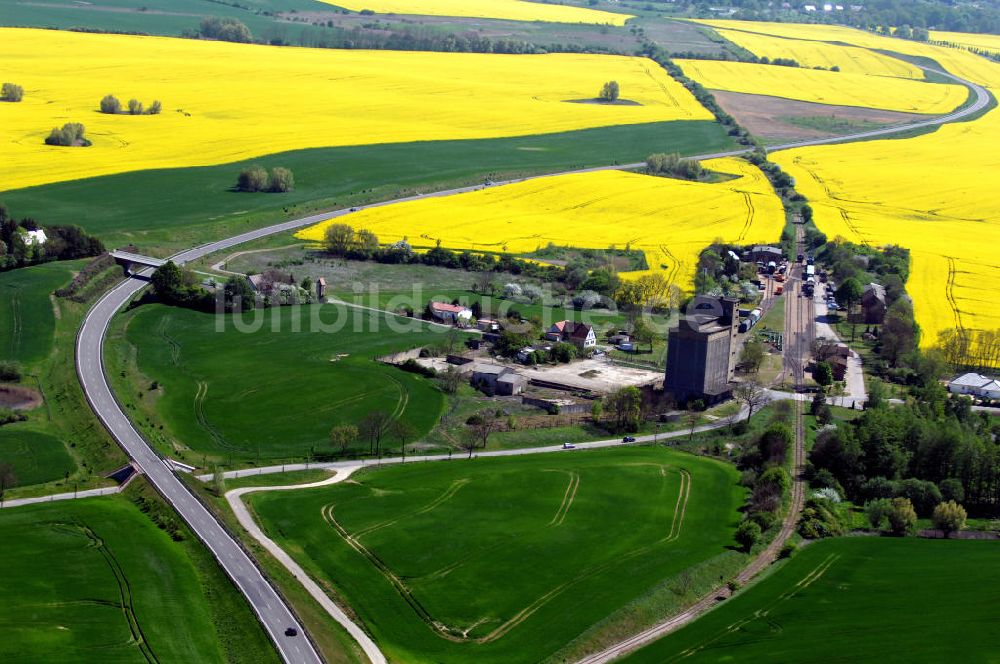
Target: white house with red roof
pixel 580 335
pixel 454 314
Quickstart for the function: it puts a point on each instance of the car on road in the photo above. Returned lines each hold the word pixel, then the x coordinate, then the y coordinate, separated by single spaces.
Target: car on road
pixel 628 439
pixel 291 631
pixel 569 446
pixel 354 209
pixel 832 306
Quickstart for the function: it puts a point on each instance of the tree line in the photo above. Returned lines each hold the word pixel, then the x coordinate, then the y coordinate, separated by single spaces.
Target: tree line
pixel 63 242
pixel 935 450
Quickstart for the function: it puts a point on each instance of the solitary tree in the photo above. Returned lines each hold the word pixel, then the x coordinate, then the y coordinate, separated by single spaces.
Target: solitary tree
pixel 341 437
pixel 823 374
pixel 610 91
pixel 752 355
pixel 449 380
pixel 850 292
pixel 154 108
pixel 281 180
pixel 252 178
pixel 366 242
pixel 481 425
pixel 374 427
pixel 643 332
pixel 877 511
pixel 902 517
pixel 694 410
pixel 596 411
pixel 949 517
pixel 11 92
pixel 402 431
pixel 7 479
pixel 625 406
pixel 110 105
pixel 748 535
pixel 751 394
pixel 218 481
pixel 338 239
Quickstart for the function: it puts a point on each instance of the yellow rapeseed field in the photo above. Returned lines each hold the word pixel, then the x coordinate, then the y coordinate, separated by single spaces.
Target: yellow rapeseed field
pixel 935 194
pixel 819 54
pixel 513 10
pixel 827 87
pixel 776 36
pixel 670 220
pixel 987 43
pixel 224 102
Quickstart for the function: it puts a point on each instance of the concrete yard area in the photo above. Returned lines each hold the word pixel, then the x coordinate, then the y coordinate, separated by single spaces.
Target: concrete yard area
pixel 598 375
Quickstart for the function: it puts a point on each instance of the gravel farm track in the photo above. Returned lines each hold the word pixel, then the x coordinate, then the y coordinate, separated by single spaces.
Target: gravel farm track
pixel 274 613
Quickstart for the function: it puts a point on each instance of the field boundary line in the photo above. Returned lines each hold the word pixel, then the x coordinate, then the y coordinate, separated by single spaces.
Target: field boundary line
pixel 234 498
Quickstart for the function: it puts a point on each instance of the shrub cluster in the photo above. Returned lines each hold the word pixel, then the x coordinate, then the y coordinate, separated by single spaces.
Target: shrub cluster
pixel 610 92
pixel 11 92
pixel 225 29
pixel 111 106
pixel 256 179
pixel 161 516
pixel 70 134
pixel 672 165
pixel 8 416
pixel 10 371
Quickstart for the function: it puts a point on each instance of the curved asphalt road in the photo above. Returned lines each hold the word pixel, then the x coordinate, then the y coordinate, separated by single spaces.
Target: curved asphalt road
pixel 273 612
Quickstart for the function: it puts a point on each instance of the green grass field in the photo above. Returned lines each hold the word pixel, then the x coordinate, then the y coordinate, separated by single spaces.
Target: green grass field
pixel 162 211
pixel 35 456
pixel 489 560
pixel 861 599
pixel 61 444
pixel 96 580
pixel 275 392
pixel 27 321
pixel 156 17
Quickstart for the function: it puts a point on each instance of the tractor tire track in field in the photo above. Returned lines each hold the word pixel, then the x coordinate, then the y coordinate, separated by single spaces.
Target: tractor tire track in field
pixel 16 323
pixel 204 423
pixel 125 596
pixel 568 497
pixel 709 600
pixel 748 199
pixel 462 635
pixel 949 292
pixel 810 578
pixel 448 494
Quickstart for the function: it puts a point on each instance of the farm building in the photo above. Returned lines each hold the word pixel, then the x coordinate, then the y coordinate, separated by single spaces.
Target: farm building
pixel 511 384
pixel 580 335
pixel 873 304
pixel 975 385
pixel 486 377
pixel 454 314
pixel 763 253
pixel 702 351
pixel 320 288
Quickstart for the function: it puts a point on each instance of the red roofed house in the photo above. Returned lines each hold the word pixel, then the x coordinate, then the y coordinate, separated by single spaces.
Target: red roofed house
pixel 455 314
pixel 579 334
